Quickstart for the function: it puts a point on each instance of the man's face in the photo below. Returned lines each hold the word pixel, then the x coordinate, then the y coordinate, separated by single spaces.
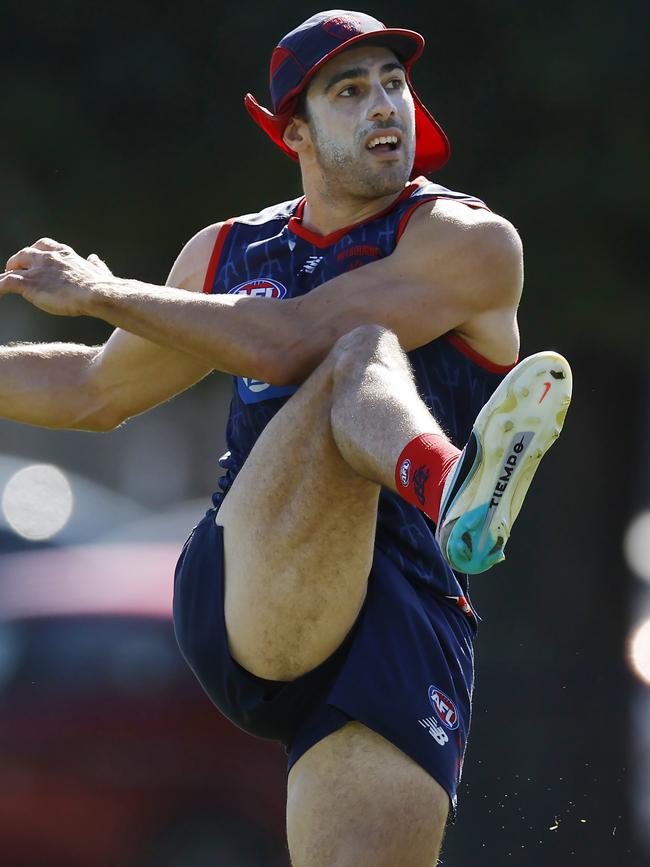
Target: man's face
pixel 357 97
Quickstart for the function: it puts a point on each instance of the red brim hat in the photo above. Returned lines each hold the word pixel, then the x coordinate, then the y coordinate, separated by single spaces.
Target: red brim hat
pixel 301 53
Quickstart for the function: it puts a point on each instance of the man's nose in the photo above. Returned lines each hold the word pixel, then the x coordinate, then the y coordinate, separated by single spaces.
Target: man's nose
pixel 381 105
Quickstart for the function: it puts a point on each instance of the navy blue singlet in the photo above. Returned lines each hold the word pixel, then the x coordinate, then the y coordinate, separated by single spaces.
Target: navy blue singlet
pixel 271 254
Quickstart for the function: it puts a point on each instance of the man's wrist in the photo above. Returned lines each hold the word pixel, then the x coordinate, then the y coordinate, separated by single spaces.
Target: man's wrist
pixel 106 295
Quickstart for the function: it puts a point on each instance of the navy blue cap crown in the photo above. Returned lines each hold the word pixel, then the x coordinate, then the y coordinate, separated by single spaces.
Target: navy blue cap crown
pixel 300 52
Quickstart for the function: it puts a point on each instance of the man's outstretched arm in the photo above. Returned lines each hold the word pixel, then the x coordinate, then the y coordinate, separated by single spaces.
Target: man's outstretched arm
pixel 95 388
pixel 451 270
pixel 43 384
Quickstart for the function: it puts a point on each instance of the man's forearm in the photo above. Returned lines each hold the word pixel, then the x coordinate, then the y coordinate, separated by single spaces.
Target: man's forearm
pixel 280 342
pixel 233 333
pixel 277 341
pixel 43 384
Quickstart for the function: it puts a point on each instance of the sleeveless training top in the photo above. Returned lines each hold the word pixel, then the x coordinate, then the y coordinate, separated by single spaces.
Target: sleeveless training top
pixel 272 255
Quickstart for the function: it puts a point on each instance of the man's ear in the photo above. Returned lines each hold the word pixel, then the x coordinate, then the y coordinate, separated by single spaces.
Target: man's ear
pixel 296 135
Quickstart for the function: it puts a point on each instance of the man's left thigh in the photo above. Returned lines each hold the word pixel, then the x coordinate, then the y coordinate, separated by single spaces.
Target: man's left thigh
pixel 355 800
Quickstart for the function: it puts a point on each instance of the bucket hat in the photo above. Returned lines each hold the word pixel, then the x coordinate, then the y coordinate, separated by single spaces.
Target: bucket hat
pixel 302 52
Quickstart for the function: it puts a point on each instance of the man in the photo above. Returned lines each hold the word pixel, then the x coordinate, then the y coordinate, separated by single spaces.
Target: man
pixel 313 601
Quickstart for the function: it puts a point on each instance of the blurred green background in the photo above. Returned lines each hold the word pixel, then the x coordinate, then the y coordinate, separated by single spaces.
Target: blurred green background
pixel 123 133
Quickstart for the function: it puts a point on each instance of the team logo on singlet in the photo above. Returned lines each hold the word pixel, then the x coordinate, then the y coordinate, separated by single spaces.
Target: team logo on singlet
pixel 444 707
pixel 436 731
pixel 255 390
pixel 261 287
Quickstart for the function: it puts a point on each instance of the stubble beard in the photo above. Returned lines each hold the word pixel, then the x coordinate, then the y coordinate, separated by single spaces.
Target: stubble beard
pixel 344 171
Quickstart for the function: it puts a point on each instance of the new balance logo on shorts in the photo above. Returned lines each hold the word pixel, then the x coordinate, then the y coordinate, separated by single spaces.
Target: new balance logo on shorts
pixel 437 732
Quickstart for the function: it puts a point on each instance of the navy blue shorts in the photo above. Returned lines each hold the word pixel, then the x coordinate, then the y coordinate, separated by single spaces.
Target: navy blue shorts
pixel 405 669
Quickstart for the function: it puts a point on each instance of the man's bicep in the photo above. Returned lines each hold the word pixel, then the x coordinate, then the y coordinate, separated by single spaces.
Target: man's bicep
pixel 132 375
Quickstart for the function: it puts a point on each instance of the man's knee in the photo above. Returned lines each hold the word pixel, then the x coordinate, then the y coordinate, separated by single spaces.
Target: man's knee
pixel 364 353
pixel 364 343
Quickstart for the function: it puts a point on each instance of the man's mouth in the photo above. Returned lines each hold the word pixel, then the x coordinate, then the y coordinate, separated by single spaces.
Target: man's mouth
pixel 384 142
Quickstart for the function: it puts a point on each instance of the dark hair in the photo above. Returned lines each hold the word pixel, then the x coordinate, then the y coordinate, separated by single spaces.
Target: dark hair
pixel 301 110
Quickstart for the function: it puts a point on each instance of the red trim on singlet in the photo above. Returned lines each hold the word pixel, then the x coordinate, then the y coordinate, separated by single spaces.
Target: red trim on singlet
pixel 406 216
pixel 210 274
pixel 459 344
pixel 295 222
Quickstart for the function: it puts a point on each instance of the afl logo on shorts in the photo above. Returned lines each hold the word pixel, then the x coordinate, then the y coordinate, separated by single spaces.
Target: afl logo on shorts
pixel 405 472
pixel 262 287
pixel 444 708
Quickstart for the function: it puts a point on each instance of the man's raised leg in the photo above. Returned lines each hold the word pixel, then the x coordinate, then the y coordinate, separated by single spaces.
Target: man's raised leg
pixel 299 520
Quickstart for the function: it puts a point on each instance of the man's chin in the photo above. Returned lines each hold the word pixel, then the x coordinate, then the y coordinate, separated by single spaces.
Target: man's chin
pixel 386 180
pixel 367 177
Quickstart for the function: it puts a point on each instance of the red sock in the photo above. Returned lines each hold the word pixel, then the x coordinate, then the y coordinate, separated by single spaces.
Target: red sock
pixel 422 469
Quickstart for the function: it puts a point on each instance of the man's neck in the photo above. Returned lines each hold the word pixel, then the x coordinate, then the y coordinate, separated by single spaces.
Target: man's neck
pixel 325 214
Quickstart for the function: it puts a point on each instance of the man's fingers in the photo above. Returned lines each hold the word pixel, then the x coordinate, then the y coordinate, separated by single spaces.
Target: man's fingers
pixel 9 282
pixel 41 249
pixel 24 258
pixel 95 260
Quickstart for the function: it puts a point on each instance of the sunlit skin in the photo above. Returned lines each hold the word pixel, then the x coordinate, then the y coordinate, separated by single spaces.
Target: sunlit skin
pixel 361 92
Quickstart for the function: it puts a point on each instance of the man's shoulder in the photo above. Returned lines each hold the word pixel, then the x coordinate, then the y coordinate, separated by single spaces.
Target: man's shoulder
pixel 193 261
pixel 441 220
pixel 207 236
pixel 448 223
pixel 464 247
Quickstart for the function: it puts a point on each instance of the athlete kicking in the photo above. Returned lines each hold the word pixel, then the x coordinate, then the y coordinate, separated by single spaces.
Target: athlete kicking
pixel 363 323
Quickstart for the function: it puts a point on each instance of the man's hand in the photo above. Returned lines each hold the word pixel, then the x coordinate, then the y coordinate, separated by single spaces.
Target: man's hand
pixel 54 278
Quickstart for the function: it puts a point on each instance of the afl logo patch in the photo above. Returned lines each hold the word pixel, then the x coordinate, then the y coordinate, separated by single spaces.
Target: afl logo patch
pixel 405 472
pixel 262 287
pixel 444 708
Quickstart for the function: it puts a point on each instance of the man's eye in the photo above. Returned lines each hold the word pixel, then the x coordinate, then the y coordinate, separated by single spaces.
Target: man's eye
pixel 350 90
pixel 395 84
